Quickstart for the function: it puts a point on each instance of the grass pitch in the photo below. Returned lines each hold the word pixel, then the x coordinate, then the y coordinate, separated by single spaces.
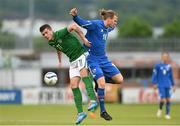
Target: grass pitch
pixel 135 114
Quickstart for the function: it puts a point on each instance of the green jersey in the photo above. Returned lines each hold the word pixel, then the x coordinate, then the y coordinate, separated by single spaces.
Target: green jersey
pixel 67 43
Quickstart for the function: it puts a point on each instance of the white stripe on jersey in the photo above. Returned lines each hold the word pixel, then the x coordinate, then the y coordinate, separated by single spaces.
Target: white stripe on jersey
pixel 86 24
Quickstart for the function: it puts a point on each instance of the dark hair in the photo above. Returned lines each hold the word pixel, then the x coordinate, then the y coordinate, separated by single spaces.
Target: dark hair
pixel 107 14
pixel 165 52
pixel 41 29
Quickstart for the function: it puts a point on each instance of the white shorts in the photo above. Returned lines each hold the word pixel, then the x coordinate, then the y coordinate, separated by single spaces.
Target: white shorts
pixel 77 65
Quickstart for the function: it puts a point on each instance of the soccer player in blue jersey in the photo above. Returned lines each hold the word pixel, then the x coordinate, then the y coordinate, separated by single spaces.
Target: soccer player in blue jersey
pixel 162 78
pixel 101 67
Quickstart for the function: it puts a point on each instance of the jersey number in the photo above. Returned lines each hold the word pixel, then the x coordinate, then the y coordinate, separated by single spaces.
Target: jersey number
pixel 105 36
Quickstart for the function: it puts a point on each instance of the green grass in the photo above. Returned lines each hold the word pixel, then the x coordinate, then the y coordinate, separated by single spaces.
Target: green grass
pixel 65 115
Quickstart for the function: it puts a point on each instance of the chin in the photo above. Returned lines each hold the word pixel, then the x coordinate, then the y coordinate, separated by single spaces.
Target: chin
pixel 49 39
pixel 112 26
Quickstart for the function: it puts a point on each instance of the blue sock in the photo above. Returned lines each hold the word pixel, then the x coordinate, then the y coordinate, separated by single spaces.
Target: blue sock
pixel 161 105
pixel 100 93
pixel 168 107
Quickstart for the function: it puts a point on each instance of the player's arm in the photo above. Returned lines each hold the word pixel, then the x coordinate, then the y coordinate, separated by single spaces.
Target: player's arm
pixel 87 24
pixel 77 29
pixel 59 53
pixel 154 78
pixel 172 80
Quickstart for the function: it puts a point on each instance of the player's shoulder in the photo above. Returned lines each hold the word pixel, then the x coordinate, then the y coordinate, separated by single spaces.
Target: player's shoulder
pixel 158 64
pixel 169 66
pixel 166 65
pixel 98 22
pixel 62 29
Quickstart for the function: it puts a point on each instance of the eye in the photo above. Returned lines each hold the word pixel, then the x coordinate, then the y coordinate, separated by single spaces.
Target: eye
pixel 45 33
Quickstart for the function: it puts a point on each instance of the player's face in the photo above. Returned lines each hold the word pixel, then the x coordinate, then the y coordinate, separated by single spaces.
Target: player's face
pixel 165 58
pixel 113 21
pixel 47 33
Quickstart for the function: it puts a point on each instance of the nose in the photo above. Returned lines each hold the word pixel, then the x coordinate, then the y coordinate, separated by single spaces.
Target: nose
pixel 46 35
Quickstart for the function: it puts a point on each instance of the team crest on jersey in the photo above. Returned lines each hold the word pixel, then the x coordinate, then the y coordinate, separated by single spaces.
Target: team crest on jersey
pixel 59 41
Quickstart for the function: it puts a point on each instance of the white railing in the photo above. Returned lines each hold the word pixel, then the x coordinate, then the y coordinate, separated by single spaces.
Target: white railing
pixel 140 44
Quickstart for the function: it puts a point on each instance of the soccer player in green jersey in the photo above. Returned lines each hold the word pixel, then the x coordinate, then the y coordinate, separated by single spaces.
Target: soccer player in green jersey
pixel 64 41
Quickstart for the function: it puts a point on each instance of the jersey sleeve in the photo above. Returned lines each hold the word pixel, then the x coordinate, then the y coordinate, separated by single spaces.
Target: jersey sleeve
pixel 154 75
pixel 61 33
pixel 87 24
pixel 171 77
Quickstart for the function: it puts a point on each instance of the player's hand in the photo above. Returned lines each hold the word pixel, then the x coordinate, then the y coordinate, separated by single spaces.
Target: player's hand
pixel 73 12
pixel 87 43
pixel 155 89
pixel 59 65
pixel 174 89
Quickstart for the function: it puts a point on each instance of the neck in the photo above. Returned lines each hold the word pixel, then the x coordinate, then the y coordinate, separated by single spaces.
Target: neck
pixel 105 23
pixel 52 36
pixel 166 62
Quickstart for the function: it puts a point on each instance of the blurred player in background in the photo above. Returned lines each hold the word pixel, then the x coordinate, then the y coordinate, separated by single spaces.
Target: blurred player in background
pixel 162 79
pixel 101 67
pixel 64 41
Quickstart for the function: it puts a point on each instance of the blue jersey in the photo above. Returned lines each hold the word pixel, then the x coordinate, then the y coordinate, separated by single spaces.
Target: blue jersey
pixel 97 60
pixel 162 75
pixel 97 34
